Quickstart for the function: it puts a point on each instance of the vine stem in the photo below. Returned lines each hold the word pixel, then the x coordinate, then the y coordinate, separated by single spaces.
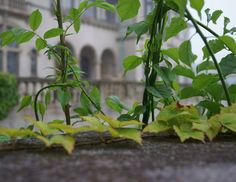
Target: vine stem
pixel 66 109
pixel 39 92
pixel 222 79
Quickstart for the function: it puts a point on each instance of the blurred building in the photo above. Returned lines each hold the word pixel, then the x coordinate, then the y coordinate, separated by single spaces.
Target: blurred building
pixel 99 46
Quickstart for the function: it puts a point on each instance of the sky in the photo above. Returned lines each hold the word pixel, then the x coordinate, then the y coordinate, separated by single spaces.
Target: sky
pixel 228 7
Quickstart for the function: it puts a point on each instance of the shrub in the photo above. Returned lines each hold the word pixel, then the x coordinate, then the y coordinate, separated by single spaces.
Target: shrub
pixel 8 94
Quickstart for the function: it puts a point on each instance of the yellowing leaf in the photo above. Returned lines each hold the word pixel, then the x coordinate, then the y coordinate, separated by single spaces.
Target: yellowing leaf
pixel 67 142
pixel 130 133
pixel 95 123
pixel 184 135
pixel 157 127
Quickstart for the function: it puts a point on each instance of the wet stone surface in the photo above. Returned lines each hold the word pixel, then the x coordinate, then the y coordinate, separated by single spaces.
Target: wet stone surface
pixel 159 159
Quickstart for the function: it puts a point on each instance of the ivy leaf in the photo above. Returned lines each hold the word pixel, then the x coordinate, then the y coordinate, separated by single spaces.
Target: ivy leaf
pixel 25 37
pixel 215 15
pixel 35 20
pixel 139 28
pixel 54 32
pixel 185 53
pixel 228 64
pixel 216 91
pixel 197 5
pixel 157 127
pixel 216 46
pixel 130 133
pixel 172 53
pixel 229 42
pixel 203 81
pixel 213 107
pixel 26 101
pixel 228 120
pixel 131 62
pixel 177 25
pixel 95 123
pixel 67 142
pixel 187 134
pixel 183 71
pixel 128 9
pixel 40 44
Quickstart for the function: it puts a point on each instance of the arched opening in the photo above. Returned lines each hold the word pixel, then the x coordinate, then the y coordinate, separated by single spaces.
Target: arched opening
pixel 108 67
pixel 87 62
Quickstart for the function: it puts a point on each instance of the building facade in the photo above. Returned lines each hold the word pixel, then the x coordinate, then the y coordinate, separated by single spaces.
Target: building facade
pixel 99 46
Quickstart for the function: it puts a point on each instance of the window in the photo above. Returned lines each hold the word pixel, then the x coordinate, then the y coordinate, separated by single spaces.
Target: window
pixel 148 6
pixel 101 14
pixel 33 62
pixel 1 61
pixel 13 62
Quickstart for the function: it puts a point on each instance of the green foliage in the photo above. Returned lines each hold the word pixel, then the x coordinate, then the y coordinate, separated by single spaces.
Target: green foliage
pixel 185 53
pixel 176 26
pixel 132 62
pixel 8 94
pixel 128 8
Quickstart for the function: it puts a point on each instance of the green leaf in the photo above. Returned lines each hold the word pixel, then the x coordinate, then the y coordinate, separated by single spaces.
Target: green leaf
pixel 177 25
pixel 215 15
pixel 160 91
pixel 25 37
pixel 42 109
pixel 179 5
pixel 85 103
pixel 95 123
pixel 172 53
pixel 128 8
pixel 35 20
pixel 157 127
pixel 213 107
pixel 64 97
pixel 47 98
pixel 185 53
pixel 26 101
pixel 187 134
pixel 205 66
pixel 77 25
pixel 40 44
pixel 131 62
pixel 15 133
pixel 228 64
pixel 183 71
pixel 114 103
pixel 67 142
pixel 7 38
pixel 229 42
pixel 216 46
pixel 228 120
pixel 130 133
pixel 139 29
pixel 96 96
pixel 203 81
pixel 82 111
pixel 216 91
pixel 197 5
pixel 166 74
pixel 189 92
pixel 54 32
pixel 102 4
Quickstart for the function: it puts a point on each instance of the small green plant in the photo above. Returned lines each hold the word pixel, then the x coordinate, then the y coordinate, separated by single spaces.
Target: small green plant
pixel 89 109
pixel 8 94
pixel 160 109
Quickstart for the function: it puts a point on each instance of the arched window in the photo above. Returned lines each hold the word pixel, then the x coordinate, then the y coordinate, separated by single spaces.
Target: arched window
pixel 108 67
pixel 33 63
pixel 87 62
